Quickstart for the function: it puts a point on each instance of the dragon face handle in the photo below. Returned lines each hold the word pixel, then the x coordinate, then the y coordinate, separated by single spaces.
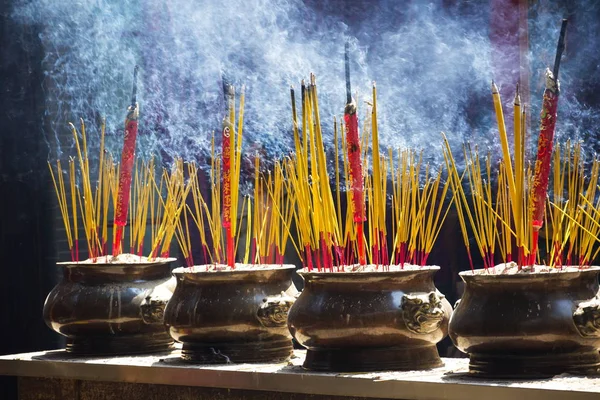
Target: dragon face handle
pixel 422 313
pixel 274 310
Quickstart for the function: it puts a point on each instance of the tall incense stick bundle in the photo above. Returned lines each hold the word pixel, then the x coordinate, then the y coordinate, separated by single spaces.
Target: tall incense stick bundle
pixel 573 222
pixel 267 228
pixel 92 207
pixel 546 137
pixel 327 235
pixel 419 208
pixel 316 217
pixel 172 204
pixel 571 229
pixel 127 160
pixel 354 153
pixel 231 164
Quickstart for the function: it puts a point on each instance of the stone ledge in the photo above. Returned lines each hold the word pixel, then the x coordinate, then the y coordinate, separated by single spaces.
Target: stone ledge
pixel 448 382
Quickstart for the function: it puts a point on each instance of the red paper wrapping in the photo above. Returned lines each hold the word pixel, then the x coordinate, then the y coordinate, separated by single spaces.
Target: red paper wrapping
pixel 127 160
pixel 356 173
pixel 226 153
pixel 544 155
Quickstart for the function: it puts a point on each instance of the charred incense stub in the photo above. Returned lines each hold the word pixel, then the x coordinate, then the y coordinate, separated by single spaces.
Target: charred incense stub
pixel 587 318
pixel 274 310
pixel 423 312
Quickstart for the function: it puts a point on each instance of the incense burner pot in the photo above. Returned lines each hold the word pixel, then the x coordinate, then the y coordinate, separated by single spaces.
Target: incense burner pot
pixel 370 321
pixel 530 324
pixel 111 309
pixel 235 315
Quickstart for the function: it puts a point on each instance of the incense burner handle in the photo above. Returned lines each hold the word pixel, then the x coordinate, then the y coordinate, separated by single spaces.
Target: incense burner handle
pixel 153 306
pixel 587 317
pixel 274 309
pixel 423 313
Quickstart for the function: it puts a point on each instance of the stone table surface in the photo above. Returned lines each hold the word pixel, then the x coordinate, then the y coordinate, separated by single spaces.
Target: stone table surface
pixel 448 382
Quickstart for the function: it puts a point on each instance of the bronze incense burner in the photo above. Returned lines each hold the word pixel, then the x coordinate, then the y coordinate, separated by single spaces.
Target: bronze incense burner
pixel 111 309
pixel 236 315
pixel 370 321
pixel 531 324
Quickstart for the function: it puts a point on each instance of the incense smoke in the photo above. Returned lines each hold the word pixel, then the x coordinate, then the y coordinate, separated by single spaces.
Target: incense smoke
pixel 431 61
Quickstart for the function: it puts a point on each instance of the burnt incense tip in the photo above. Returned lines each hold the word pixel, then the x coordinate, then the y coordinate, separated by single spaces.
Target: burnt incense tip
pixel 517 96
pixel 560 48
pixel 347 68
pixel 134 89
pixel 227 86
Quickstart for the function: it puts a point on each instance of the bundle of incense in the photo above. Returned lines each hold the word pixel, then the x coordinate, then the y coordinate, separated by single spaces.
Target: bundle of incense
pixel 267 225
pixel 327 236
pixel 231 161
pixel 273 212
pixel 419 208
pixel 89 203
pixel 92 207
pixel 173 190
pixel 544 154
pixel 127 159
pixel 488 214
pixel 356 170
pixel 378 198
pixel 309 184
pixel 572 228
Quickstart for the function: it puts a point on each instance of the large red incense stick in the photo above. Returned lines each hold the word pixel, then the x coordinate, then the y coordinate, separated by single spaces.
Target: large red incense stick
pixel 127 158
pixel 544 154
pixel 226 152
pixel 356 173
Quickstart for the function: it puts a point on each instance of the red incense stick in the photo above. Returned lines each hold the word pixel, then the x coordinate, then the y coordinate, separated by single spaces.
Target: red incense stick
pixel 226 157
pixel 127 158
pixel 356 173
pixel 544 154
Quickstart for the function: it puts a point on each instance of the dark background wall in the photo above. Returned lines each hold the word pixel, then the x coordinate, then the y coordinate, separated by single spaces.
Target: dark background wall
pixel 27 272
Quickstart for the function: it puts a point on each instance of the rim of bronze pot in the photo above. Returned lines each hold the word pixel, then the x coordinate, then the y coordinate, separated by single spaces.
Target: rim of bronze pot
pixel 116 271
pixel 260 274
pixel 565 273
pixel 404 275
pixel 351 274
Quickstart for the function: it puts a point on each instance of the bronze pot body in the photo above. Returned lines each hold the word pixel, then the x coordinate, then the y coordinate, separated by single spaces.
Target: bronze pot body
pixel 529 325
pixel 232 316
pixel 110 309
pixel 369 321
